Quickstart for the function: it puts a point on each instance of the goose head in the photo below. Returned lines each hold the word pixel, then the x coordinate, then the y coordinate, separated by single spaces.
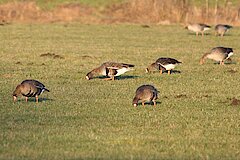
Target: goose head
pixel 89 76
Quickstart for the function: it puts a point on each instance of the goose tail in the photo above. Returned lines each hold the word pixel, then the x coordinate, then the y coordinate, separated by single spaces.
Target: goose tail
pixel 45 89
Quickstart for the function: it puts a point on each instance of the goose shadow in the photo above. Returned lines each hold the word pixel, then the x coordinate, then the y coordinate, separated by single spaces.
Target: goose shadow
pixel 32 99
pixel 118 78
pixel 149 104
pixel 225 63
pixel 172 72
pixel 199 35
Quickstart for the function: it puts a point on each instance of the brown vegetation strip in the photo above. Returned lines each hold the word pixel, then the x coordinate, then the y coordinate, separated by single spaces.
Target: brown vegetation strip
pixel 133 11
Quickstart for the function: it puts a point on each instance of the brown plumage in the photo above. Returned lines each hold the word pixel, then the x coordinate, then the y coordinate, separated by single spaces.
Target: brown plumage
pixel 221 29
pixel 163 64
pixel 110 69
pixel 198 28
pixel 145 93
pixel 152 67
pixel 219 54
pixel 29 88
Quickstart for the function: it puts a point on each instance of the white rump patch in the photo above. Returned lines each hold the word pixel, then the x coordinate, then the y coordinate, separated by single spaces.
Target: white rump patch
pixel 229 55
pixel 206 28
pixel 169 66
pixel 122 71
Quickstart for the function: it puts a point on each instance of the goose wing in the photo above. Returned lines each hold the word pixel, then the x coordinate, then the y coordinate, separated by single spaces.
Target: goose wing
pixel 165 61
pixel 115 65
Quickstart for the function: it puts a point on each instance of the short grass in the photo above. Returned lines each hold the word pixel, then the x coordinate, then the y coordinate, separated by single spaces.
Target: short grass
pixel 95 119
pixel 50 4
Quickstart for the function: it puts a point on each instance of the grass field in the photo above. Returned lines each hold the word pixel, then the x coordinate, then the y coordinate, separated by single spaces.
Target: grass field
pixel 95 119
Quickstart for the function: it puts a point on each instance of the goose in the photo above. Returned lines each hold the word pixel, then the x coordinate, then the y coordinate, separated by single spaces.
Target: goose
pixel 221 29
pixel 219 54
pixel 29 88
pixel 198 28
pixel 110 69
pixel 145 93
pixel 167 64
pixel 151 67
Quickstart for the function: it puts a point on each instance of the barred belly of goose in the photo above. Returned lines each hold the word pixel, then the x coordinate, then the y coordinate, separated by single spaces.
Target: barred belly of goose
pixel 29 88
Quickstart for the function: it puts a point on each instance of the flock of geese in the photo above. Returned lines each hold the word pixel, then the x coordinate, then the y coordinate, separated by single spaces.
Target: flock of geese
pixel 144 93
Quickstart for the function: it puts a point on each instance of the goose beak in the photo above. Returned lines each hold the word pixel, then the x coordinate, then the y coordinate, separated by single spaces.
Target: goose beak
pixel 135 105
pixel 14 98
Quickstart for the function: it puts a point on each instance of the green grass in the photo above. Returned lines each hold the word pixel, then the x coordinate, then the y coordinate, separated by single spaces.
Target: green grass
pixel 212 3
pixel 50 4
pixel 95 119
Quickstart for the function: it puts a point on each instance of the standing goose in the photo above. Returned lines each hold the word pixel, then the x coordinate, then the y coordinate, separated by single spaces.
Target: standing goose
pixel 198 28
pixel 221 29
pixel 110 69
pixel 29 88
pixel 145 93
pixel 166 64
pixel 219 54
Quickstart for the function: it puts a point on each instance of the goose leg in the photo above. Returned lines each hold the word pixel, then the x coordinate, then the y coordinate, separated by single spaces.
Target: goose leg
pixel 202 34
pixel 107 79
pixel 160 71
pixel 26 99
pixel 143 104
pixel 36 99
pixel 169 72
pixel 154 103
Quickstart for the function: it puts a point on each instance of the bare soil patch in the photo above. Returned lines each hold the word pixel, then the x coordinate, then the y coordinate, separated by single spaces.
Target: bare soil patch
pixel 52 55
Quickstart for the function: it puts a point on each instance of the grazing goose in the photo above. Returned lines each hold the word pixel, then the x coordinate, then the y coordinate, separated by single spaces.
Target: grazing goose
pixel 219 54
pixel 145 93
pixel 198 28
pixel 151 67
pixel 221 29
pixel 29 88
pixel 110 69
pixel 166 64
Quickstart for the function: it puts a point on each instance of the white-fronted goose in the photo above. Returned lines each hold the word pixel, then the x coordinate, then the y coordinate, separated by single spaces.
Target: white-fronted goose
pixel 167 64
pixel 219 54
pixel 198 28
pixel 110 69
pixel 145 93
pixel 152 67
pixel 29 88
pixel 221 29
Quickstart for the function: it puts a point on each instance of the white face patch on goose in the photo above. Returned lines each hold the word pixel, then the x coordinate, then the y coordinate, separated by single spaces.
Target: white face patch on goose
pixel 87 77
